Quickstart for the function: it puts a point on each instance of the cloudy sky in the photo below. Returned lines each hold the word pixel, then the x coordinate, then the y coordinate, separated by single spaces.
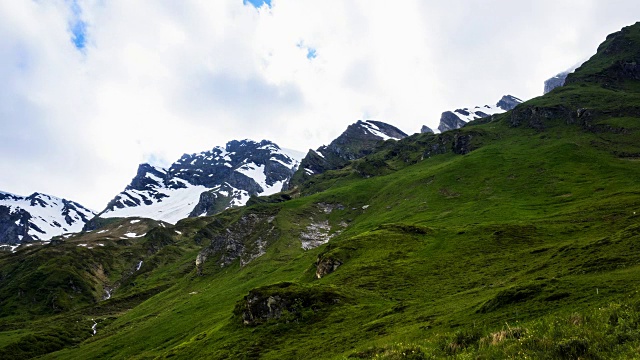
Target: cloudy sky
pixel 91 88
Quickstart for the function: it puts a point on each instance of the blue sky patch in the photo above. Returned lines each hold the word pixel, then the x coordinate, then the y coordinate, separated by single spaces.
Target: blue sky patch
pixel 311 53
pixel 78 27
pixel 257 3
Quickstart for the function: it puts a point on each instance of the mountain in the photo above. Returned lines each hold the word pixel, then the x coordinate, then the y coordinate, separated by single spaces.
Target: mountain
pixel 456 119
pixel 513 237
pixel 205 183
pixel 555 81
pixel 39 217
pixel 358 140
pixel 426 130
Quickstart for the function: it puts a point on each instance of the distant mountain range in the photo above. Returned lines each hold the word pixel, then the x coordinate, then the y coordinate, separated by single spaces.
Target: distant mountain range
pixel 209 182
pixel 39 217
pixel 195 185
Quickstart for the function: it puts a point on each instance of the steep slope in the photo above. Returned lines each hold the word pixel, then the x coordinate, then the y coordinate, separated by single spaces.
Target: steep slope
pixel 358 140
pixel 458 118
pixel 616 62
pixel 39 217
pixel 205 183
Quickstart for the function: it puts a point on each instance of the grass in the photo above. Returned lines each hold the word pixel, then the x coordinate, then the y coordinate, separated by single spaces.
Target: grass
pixel 447 243
pixel 524 243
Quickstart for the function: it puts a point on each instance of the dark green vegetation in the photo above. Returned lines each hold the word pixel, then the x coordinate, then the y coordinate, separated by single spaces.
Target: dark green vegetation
pixel 517 237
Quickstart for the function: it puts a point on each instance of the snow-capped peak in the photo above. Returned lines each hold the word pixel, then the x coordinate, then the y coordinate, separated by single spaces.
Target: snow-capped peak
pixel 192 184
pixel 39 217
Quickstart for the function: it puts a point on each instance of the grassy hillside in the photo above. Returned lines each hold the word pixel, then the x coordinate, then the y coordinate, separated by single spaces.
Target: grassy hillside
pixel 516 237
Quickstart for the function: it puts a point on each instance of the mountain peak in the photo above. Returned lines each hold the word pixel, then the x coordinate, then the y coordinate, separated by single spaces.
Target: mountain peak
pixel 508 102
pixel 616 61
pixel 358 140
pixel 39 217
pixel 205 183
pixel 456 119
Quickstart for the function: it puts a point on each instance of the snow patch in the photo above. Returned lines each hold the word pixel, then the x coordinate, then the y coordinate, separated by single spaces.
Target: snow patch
pixel 176 206
pixel 375 130
pixel 133 235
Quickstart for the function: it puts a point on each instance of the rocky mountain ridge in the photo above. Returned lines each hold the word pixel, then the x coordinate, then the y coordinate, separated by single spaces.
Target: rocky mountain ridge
pixel 555 81
pixel 450 120
pixel 39 217
pixel 205 183
pixel 358 140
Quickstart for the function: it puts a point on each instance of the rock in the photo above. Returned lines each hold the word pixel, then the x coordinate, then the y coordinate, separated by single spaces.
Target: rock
pixel 540 117
pixel 326 265
pixel 245 240
pixel 39 217
pixel 555 81
pixel 316 234
pixel 451 120
pixel 508 102
pixel 286 302
pixel 426 130
pixel 359 140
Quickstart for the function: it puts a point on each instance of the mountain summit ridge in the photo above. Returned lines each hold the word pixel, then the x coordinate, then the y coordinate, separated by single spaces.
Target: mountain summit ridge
pixel 230 174
pixel 358 140
pixel 450 120
pixel 39 217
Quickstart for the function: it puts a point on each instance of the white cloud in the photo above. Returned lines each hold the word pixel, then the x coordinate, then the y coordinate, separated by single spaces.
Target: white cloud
pixel 160 78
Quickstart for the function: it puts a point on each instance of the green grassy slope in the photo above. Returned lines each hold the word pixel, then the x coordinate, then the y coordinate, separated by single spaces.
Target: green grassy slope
pixel 516 237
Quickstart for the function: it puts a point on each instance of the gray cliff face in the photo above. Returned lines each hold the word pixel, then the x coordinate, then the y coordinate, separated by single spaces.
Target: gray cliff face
pixel 245 240
pixel 13 226
pixel 450 121
pixel 555 81
pixel 220 178
pixel 39 217
pixel 359 140
pixel 508 102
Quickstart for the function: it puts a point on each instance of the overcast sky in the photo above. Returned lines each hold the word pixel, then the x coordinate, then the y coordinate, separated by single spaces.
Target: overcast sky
pixel 90 89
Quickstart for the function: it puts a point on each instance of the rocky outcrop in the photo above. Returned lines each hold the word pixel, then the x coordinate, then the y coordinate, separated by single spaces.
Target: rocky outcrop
pixel 451 120
pixel 285 302
pixel 316 234
pixel 508 102
pixel 325 265
pixel 426 130
pixel 216 200
pixel 13 226
pixel 555 81
pixel 359 140
pixel 319 231
pixel 245 239
pixel 540 117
